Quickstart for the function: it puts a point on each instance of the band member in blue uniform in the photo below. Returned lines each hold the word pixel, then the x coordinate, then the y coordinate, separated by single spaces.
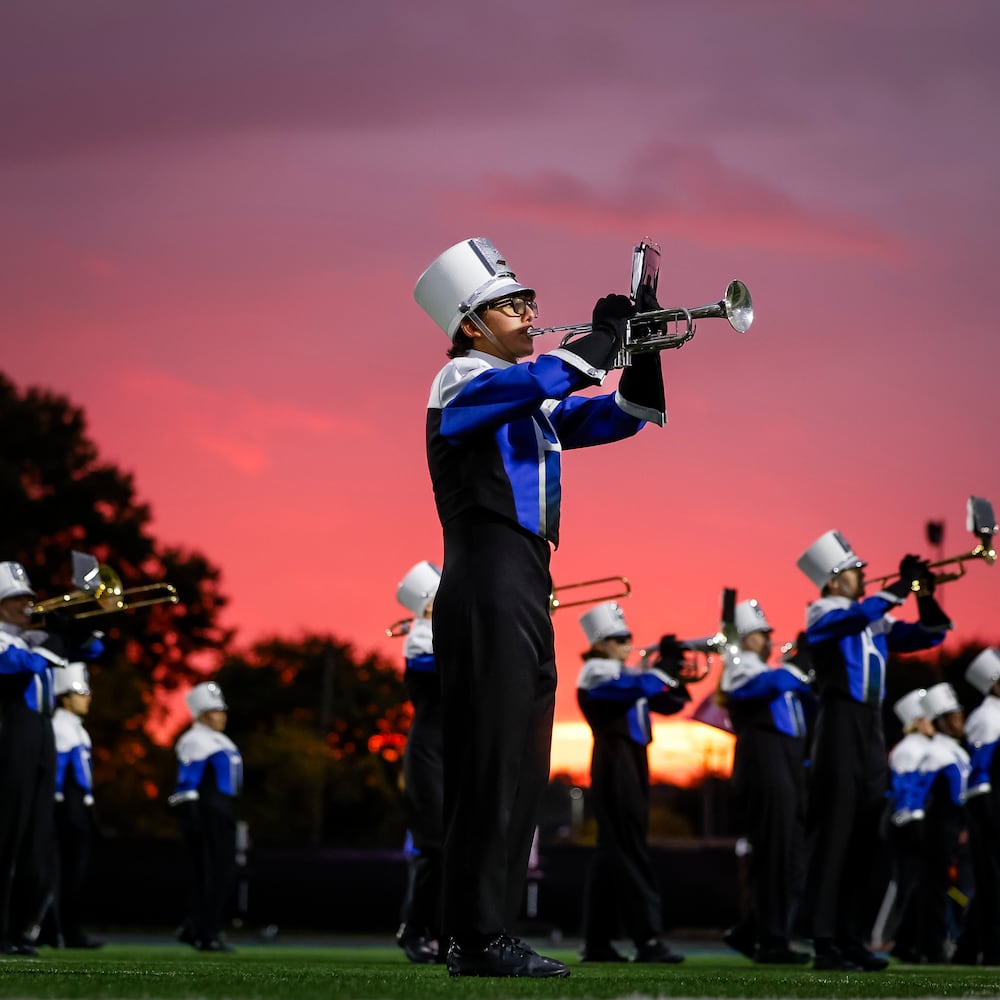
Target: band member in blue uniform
pixel 912 773
pixel 944 824
pixel 616 701
pixel 496 429
pixel 980 944
pixel 849 638
pixel 765 707
pixel 28 657
pixel 209 779
pixel 420 933
pixel 75 821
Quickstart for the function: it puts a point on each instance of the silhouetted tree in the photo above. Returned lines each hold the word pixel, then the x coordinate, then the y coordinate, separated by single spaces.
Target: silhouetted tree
pixel 56 495
pixel 321 734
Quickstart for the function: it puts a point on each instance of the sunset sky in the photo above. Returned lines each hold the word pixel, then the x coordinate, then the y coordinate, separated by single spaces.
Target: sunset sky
pixel 214 213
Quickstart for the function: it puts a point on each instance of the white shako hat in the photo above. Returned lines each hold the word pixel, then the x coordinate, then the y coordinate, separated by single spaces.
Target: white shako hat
pixel 939 700
pixel 417 589
pixel 984 671
pixel 205 697
pixel 463 277
pixel 911 707
pixel 606 621
pixel 829 555
pixel 750 617
pixel 71 679
pixel 14 581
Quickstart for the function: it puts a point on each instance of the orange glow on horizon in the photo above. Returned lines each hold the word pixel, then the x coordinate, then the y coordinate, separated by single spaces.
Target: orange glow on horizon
pixel 682 753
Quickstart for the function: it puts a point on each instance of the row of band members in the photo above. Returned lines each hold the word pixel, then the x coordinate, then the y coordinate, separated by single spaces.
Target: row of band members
pixel 766 707
pixel 821 811
pixel 47 816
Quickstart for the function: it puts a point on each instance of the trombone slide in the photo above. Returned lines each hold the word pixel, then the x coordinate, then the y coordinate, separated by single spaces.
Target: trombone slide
pixel 623 590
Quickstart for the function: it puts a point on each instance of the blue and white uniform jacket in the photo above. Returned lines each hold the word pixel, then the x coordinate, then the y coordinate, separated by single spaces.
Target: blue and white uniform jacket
pixel 72 755
pixel 418 650
pixel 758 695
pixel 423 684
pixel 203 754
pixel 982 733
pixel 950 760
pixel 27 665
pixel 616 700
pixel 850 642
pixel 495 432
pixel 913 766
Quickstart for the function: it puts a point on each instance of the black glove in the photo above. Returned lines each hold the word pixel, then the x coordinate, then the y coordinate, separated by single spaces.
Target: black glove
pixel 932 616
pixel 599 347
pixel 913 569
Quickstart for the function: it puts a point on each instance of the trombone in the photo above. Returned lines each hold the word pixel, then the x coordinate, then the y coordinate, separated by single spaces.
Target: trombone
pixel 982 523
pixel 98 584
pixel 646 332
pixel 623 590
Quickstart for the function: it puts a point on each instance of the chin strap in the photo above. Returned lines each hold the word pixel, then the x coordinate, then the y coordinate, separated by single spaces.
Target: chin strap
pixel 485 331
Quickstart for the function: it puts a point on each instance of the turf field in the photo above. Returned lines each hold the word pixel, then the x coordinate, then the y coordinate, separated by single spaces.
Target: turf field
pixel 279 972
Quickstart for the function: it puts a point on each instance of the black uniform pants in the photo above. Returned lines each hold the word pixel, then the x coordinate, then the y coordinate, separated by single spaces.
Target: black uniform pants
pixel 494 648
pixel 621 881
pixel 769 787
pixel 27 793
pixel 847 789
pixel 75 827
pixel 424 797
pixel 984 917
pixel 210 837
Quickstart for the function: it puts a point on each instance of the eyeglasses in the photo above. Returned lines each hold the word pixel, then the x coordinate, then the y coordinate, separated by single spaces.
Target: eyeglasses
pixel 625 640
pixel 514 305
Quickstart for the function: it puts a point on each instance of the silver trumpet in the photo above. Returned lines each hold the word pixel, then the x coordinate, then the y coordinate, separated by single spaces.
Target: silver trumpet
pixel 647 332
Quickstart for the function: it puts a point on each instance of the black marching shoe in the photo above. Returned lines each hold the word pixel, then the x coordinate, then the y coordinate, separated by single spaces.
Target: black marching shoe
pixel 834 960
pixel 603 952
pixel 780 954
pixel 416 947
pixel 864 959
pixel 503 956
pixel 740 939
pixel 217 945
pixel 82 940
pixel 656 950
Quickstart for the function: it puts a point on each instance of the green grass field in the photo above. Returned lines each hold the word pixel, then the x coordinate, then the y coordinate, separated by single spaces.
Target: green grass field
pixel 279 972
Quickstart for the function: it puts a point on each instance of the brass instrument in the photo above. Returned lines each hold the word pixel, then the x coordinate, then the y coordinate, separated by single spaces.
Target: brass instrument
pixel 100 592
pixel 981 521
pixel 399 628
pixel 623 591
pixel 646 332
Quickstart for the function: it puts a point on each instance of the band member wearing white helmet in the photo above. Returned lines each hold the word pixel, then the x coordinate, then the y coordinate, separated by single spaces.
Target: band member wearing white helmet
pixel 850 637
pixel 911 773
pixel 496 429
pixel 28 657
pixel 944 825
pixel 209 779
pixel 616 701
pixel 75 821
pixel 980 943
pixel 766 710
pixel 420 933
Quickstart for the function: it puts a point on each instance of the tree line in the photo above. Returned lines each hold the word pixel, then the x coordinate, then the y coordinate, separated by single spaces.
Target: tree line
pixel 320 727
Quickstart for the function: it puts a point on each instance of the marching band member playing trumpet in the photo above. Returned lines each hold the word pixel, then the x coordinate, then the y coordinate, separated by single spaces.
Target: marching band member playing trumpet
pixel 616 701
pixel 496 429
pixel 765 707
pixel 850 637
pixel 420 933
